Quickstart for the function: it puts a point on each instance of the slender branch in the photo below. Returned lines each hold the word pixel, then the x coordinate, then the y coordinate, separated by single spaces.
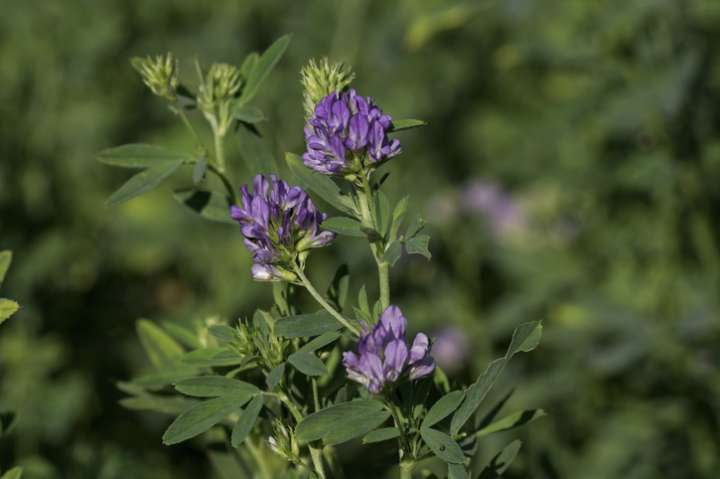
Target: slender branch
pixel 365 201
pixel 219 148
pixel 318 297
pixel 384 281
pixel 406 469
pixel 225 181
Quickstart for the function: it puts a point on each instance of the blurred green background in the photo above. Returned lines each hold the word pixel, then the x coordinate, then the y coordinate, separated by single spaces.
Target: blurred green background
pixel 570 173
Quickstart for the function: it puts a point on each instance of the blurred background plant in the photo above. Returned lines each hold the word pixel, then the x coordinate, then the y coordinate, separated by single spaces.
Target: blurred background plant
pixel 569 173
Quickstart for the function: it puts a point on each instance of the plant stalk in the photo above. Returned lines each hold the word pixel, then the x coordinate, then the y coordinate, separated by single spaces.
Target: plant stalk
pixel 318 297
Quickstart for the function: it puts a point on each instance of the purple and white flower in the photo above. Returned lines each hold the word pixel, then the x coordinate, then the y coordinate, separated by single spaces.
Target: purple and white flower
pixel 279 223
pixel 384 356
pixel 346 133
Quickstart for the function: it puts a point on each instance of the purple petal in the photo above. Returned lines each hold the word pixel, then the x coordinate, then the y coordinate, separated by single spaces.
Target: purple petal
pixel 419 348
pixel 396 354
pixel 393 321
pixel 422 368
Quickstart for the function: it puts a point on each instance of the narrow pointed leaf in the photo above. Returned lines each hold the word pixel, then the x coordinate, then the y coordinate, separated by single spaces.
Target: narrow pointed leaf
pixel 512 421
pixel 213 386
pixel 247 420
pixel 263 66
pixel 161 349
pixel 501 462
pixel 201 417
pixel 344 226
pixel 14 473
pixel 320 342
pixel 525 338
pixel 457 471
pixel 320 184
pixel 419 244
pixel 303 325
pixel 143 182
pixel 406 124
pixel 247 113
pixel 442 445
pixel 342 422
pixel 307 363
pixel 382 434
pixel 445 406
pixel 141 156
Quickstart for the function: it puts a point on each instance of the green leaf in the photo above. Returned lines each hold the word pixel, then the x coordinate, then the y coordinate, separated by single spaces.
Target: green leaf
pixel 161 349
pixel 525 338
pixel 222 333
pixel 172 405
pixel 5 260
pixel 263 66
pixel 142 156
pixel 164 378
pixel 342 422
pixel 7 309
pixel 512 421
pixel 457 471
pixel 143 182
pixel 213 386
pixel 501 462
pixel 303 325
pixel 445 406
pixel 201 417
pixel 210 205
pixel 255 152
pixel 406 124
pixel 344 226
pixel 383 213
pixel 397 217
pixel 415 227
pixel 320 184
pixel 442 445
pixel 275 376
pixel 14 473
pixel 247 420
pixel 200 171
pixel 382 434
pixel 418 244
pixel 393 252
pixel 247 113
pixel 212 357
pixel 248 64
pixel 320 342
pixel 307 363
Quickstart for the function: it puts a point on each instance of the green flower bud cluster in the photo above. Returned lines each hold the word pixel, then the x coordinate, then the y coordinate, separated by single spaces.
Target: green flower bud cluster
pixel 320 78
pixel 283 442
pixel 221 85
pixel 259 340
pixel 159 73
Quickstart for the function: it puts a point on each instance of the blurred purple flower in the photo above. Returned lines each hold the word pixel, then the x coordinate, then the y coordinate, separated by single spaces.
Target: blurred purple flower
pixel 505 215
pixel 346 130
pixel 279 222
pixel 383 353
pixel 450 348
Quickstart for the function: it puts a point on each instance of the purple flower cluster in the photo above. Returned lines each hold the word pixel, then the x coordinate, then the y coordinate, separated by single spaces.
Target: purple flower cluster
pixel 279 223
pixel 346 133
pixel 383 354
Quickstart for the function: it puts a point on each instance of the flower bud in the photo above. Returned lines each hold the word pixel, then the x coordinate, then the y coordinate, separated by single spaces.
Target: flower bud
pixel 222 82
pixel 159 73
pixel 320 78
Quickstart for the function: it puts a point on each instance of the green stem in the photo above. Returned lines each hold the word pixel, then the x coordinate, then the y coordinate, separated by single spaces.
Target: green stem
pixel 316 396
pixel 225 181
pixel 219 149
pixel 316 455
pixel 318 297
pixel 406 470
pixel 384 280
pixel 177 109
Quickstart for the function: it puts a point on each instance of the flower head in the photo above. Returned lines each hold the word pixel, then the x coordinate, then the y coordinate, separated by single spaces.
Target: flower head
pixel 348 133
pixel 159 73
pixel 320 78
pixel 384 356
pixel 280 224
